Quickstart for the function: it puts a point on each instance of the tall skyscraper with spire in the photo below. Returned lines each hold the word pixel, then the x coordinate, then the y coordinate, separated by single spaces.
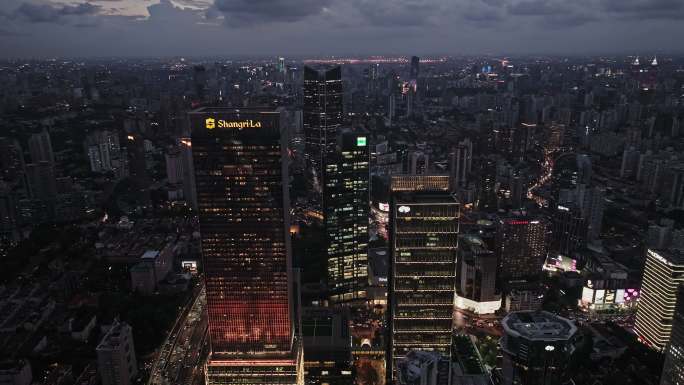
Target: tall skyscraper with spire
pixel 242 193
pixel 323 107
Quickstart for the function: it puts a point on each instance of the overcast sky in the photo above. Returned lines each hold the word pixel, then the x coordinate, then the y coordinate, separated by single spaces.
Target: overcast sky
pixel 80 28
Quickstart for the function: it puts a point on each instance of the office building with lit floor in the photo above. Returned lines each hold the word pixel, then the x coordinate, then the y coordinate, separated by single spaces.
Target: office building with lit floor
pixel 663 273
pixel 424 247
pixel 243 200
pixel 322 118
pixel 520 246
pixel 537 347
pixel 346 207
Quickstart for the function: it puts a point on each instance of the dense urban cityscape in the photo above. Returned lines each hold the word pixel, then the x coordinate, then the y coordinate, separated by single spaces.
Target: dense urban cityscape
pixel 334 220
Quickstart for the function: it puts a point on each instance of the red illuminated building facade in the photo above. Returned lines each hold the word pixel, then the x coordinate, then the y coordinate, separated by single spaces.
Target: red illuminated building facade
pixel 242 194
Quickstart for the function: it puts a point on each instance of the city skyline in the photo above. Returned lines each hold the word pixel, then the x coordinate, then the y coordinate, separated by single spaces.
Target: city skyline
pixel 304 216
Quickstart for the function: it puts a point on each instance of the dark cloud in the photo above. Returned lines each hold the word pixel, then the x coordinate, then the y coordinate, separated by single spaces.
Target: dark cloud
pixel 7 32
pixel 399 13
pixel 494 3
pixel 645 9
pixel 482 16
pixel 268 11
pixel 48 13
pixel 536 7
pixel 326 27
pixel 568 20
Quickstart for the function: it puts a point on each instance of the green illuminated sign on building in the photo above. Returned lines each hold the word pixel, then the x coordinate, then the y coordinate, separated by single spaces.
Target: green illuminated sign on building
pixel 361 141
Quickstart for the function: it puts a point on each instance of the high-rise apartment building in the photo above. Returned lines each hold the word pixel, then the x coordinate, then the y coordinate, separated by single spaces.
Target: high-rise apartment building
pixel 116 361
pixel 673 369
pixel 591 202
pixel 40 148
pixel 241 175
pixel 460 164
pixel 103 151
pixel 41 180
pixel 663 273
pixel 12 166
pixel 418 163
pixel 422 279
pixel 520 246
pixel 323 108
pixel 346 216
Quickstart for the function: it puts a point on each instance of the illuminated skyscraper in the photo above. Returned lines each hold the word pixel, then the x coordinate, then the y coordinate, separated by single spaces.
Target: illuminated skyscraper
pixel 487 198
pixel 323 107
pixel 663 274
pixel 520 246
pixel 242 192
pixel 424 244
pixel 346 217
pixel 414 72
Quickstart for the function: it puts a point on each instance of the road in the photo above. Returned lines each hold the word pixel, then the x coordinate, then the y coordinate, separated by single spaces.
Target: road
pixel 179 358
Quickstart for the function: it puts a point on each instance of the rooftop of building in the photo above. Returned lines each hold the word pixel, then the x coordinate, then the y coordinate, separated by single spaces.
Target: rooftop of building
pixel 230 110
pixel 474 244
pixel 538 325
pixel 410 367
pixel 150 254
pixel 113 337
pixel 427 197
pixel 670 256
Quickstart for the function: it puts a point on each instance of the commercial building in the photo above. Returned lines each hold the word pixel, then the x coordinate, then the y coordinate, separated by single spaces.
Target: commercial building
pixel 522 296
pixel 327 341
pixel 607 285
pixel 663 273
pixel 424 247
pixel 568 230
pixel 242 191
pixel 673 369
pixel 116 356
pixel 520 246
pixel 346 207
pixel 423 368
pixel 477 277
pixel 537 347
pixel 411 183
pixel 322 117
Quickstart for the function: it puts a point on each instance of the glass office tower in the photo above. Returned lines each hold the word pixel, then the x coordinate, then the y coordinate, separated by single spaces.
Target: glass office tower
pixel 346 217
pixel 424 244
pixel 322 114
pixel 242 194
